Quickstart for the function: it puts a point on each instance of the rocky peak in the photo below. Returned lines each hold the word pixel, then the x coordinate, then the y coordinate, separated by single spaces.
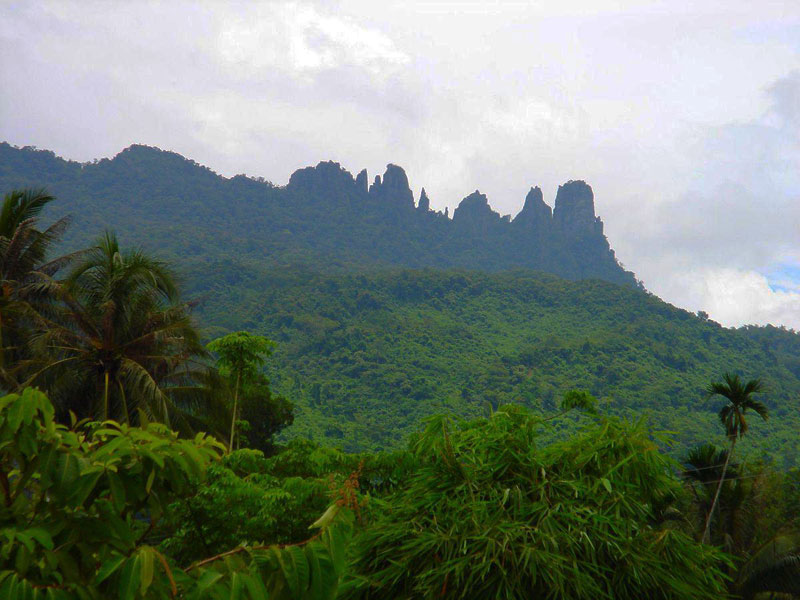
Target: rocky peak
pixel 394 187
pixel 474 209
pixel 424 202
pixel 327 179
pixel 362 182
pixel 574 210
pixel 535 213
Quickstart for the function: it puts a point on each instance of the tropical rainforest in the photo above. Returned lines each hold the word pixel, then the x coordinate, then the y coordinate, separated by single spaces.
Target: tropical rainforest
pixel 221 388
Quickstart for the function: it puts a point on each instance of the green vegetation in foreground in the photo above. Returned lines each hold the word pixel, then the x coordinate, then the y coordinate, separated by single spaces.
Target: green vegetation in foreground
pixel 82 509
pixel 472 509
pixel 366 357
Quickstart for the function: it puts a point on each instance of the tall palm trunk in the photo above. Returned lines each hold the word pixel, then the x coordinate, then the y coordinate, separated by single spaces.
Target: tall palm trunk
pixel 707 530
pixel 105 397
pixel 235 407
pixel 124 402
pixel 2 347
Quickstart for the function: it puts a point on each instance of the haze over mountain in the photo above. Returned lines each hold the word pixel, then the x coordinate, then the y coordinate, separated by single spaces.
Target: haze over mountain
pixel 324 216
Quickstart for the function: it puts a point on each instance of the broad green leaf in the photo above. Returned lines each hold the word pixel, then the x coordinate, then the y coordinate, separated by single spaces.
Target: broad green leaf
pixel 129 580
pixel 42 536
pixel 150 478
pixel 108 568
pixel 117 490
pixel 326 517
pixel 146 576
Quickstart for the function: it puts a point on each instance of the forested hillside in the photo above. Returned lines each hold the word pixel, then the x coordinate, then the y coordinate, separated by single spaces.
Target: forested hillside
pixel 366 349
pixel 324 217
pixel 366 356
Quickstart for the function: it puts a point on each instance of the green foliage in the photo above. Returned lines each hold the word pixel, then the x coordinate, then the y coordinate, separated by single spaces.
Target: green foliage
pixel 239 502
pixel 579 399
pixel 24 274
pixel 740 399
pixel 240 356
pixel 119 341
pixel 732 415
pixel 772 569
pixel 77 507
pixel 76 504
pixel 248 498
pixel 491 514
pixel 366 357
pixel 264 413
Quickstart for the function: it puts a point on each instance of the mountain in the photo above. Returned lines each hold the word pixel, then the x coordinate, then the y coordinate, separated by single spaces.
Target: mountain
pixel 367 356
pixel 323 216
pixel 386 312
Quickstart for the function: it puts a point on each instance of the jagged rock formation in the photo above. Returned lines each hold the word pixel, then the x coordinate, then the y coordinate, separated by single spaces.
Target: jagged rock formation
pixel 326 179
pixel 574 210
pixel 535 214
pixel 394 189
pixel 424 202
pixel 362 183
pixel 323 216
pixel 474 211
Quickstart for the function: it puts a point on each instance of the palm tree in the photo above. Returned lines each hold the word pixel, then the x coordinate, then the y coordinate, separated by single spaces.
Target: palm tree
pixel 738 503
pixel 740 400
pixel 24 269
pixel 124 345
pixel 703 470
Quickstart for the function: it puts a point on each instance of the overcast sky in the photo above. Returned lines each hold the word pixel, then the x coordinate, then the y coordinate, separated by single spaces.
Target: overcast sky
pixel 683 116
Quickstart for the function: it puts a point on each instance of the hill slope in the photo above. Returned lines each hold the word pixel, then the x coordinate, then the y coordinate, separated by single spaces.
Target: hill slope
pixel 367 356
pixel 366 352
pixel 324 217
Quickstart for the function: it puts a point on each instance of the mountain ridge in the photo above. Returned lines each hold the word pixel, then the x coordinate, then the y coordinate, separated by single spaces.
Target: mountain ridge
pixel 324 213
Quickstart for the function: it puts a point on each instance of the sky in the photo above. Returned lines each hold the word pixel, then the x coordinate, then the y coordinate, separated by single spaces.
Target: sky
pixel 684 117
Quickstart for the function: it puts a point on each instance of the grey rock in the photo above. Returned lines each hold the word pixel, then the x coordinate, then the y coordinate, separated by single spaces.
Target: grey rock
pixel 535 213
pixel 574 214
pixel 424 202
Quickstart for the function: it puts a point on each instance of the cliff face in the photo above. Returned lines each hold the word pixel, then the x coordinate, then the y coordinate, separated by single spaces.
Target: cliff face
pixel 474 210
pixel 424 202
pixel 535 214
pixel 574 211
pixel 393 189
pixel 324 215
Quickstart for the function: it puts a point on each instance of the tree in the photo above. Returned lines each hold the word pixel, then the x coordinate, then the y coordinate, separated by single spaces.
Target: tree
pixel 265 413
pixel 240 356
pixel 489 513
pixel 733 418
pixel 24 269
pixel 703 470
pixel 122 342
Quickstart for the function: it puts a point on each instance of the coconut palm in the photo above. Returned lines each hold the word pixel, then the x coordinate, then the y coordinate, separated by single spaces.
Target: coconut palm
pixel 24 269
pixel 733 416
pixel 124 345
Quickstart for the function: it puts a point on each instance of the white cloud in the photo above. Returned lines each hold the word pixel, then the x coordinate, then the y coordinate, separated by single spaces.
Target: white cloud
pixel 684 119
pixel 738 297
pixel 300 40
